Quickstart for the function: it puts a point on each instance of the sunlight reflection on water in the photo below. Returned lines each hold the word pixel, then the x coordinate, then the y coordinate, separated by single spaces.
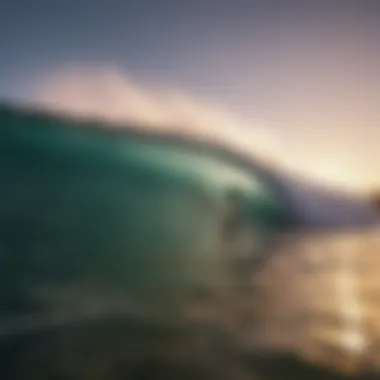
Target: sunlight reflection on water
pixel 323 292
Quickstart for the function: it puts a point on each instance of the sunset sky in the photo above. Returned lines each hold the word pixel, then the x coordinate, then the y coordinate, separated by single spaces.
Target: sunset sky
pixel 307 72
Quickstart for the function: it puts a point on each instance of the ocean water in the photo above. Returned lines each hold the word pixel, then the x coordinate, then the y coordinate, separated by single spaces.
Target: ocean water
pixel 321 300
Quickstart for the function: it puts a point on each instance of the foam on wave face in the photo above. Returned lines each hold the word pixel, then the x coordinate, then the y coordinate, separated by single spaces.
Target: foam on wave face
pixel 108 94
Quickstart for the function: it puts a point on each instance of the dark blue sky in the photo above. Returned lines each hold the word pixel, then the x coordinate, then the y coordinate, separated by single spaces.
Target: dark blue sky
pixel 171 38
pixel 145 36
pixel 308 67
